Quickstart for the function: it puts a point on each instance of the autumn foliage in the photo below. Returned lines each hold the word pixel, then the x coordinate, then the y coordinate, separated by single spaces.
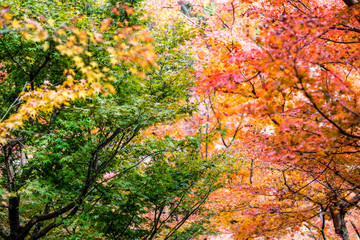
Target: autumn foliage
pixel 72 42
pixel 280 80
pixel 287 71
pixel 260 97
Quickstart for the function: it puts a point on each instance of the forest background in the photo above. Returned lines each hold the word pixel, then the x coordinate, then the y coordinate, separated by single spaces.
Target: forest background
pixel 179 119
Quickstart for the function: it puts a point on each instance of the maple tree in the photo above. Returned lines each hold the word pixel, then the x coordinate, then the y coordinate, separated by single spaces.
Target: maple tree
pixel 75 46
pixel 285 80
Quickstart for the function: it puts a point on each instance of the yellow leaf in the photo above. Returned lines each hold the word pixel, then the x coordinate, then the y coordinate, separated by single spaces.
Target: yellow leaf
pixel 87 53
pixel 82 94
pixel 96 86
pixel 117 38
pixel 15 24
pixel 113 61
pixel 43 35
pixel 93 64
pixel 60 32
pixel 8 16
pixel 106 69
pixel 110 88
pixel 45 46
pixel 30 26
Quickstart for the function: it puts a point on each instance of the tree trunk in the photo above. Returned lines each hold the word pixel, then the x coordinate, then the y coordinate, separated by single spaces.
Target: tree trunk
pixel 338 217
pixel 14 220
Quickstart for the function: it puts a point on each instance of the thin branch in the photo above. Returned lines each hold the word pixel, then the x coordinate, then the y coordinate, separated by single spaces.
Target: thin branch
pixel 321 112
pixel 125 170
pixel 155 228
pixel 347 28
pixel 33 75
pixel 195 207
pixel 355 228
pixel 314 178
pixel 47 229
pixel 292 4
pixel 222 21
pixel 323 220
pixel 108 140
pixel 190 20
pixel 334 41
pixel 13 58
pixel 304 5
pixel 233 13
pixel 253 77
pixel 2 119
pixel 26 229
pixel 127 226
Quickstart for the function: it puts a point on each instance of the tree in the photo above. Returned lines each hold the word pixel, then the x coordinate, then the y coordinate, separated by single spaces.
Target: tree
pixel 77 95
pixel 289 70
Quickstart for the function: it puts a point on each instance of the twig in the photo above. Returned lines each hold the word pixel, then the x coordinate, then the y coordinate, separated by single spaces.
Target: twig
pixel 2 119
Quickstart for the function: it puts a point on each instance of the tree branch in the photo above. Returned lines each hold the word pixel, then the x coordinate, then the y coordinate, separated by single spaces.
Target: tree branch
pixel 321 112
pixel 26 229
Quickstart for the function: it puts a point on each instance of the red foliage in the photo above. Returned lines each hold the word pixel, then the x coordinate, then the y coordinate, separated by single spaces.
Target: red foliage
pixel 289 71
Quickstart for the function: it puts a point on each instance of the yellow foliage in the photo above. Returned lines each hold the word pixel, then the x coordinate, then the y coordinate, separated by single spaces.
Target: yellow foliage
pixel 73 45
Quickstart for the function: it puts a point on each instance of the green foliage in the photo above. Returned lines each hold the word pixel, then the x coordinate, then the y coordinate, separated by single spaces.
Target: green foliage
pixel 88 167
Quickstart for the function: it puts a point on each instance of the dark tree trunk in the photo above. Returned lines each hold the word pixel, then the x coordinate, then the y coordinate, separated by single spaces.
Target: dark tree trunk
pixel 14 203
pixel 338 217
